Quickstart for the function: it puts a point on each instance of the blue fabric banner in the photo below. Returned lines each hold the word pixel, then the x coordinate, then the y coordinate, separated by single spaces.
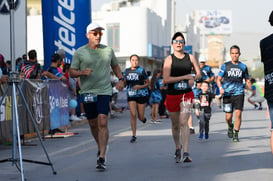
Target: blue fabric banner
pixel 58 104
pixel 64 27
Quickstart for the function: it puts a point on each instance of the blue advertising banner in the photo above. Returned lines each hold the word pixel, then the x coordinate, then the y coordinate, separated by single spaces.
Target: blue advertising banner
pixel 58 104
pixel 64 26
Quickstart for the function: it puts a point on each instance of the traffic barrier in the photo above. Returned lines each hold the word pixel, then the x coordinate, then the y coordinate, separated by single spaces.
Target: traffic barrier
pixel 47 100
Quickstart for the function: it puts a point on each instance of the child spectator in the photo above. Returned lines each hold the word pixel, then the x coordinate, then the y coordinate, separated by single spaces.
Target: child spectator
pixel 204 113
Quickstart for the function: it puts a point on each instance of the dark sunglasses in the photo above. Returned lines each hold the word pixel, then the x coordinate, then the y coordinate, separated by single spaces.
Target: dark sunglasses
pixel 95 33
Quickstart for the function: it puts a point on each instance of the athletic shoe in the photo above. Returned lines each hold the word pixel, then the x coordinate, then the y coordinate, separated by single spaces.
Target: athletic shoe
pixel 153 122
pixel 133 139
pixel 256 107
pixel 177 155
pixel 260 108
pixel 101 164
pixel 144 120
pixel 200 137
pixel 235 137
pixel 206 136
pixel 75 118
pixel 230 131
pixel 83 116
pixel 192 131
pixel 186 157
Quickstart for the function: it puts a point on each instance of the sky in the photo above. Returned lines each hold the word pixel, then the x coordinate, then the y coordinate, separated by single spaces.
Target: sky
pixel 249 20
pixel 247 15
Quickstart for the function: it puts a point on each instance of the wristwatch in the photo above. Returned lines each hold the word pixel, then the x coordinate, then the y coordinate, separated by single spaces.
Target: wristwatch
pixel 122 78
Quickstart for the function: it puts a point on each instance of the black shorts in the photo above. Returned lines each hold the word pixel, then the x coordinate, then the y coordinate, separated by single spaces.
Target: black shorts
pixel 237 102
pixel 139 100
pixel 100 107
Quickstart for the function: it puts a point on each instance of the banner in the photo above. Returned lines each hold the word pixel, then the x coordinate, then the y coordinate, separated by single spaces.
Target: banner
pixel 214 22
pixel 58 104
pixel 36 95
pixel 47 102
pixel 64 27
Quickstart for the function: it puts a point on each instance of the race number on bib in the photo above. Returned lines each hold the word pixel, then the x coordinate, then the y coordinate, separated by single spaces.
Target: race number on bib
pixel 132 92
pixel 182 85
pixel 89 98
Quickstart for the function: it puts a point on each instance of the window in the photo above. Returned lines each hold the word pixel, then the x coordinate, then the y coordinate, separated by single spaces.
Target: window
pixel 113 34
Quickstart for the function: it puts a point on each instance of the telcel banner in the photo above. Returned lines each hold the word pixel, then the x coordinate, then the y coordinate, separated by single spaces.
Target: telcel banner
pixel 64 26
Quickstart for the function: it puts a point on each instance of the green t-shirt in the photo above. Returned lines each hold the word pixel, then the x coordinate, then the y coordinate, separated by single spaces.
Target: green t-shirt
pixel 100 61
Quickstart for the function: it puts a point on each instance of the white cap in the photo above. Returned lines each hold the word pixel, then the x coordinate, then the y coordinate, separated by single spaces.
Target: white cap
pixel 202 59
pixel 93 26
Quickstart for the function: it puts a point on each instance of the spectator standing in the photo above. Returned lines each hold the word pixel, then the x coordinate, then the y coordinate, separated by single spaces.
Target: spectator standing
pixel 232 88
pixel 92 63
pixel 256 96
pixel 71 84
pixel 137 82
pixel 31 68
pixel 3 65
pixel 163 89
pixel 155 94
pixel 53 69
pixel 266 49
pixel 53 73
pixel 177 74
pixel 61 52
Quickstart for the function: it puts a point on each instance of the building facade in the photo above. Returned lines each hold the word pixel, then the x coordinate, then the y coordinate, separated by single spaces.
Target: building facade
pixel 141 27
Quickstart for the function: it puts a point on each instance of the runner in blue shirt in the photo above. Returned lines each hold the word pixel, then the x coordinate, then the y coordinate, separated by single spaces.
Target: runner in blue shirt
pixel 230 81
pixel 137 82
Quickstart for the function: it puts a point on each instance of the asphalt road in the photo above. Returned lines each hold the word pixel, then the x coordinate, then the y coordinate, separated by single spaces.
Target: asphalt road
pixel 152 156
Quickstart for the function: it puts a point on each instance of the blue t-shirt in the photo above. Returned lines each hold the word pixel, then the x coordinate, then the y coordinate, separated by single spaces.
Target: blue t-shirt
pixel 206 72
pixel 136 77
pixel 196 92
pixel 55 72
pixel 233 76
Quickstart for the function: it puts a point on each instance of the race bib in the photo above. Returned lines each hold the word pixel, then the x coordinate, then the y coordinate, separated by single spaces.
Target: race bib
pixel 182 85
pixel 227 108
pixel 89 98
pixel 132 92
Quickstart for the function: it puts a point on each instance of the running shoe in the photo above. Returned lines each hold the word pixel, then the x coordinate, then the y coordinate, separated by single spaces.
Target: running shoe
pixel 256 107
pixel 235 137
pixel 230 131
pixel 144 120
pixel 206 136
pixel 200 137
pixel 192 131
pixel 101 164
pixel 83 116
pixel 186 157
pixel 177 155
pixel 133 139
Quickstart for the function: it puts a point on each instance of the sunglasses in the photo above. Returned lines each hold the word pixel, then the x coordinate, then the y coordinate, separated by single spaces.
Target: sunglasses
pixel 95 33
pixel 180 41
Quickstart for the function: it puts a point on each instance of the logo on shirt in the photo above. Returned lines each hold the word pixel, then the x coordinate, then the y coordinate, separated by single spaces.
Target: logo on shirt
pixel 269 78
pixel 132 76
pixel 235 72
